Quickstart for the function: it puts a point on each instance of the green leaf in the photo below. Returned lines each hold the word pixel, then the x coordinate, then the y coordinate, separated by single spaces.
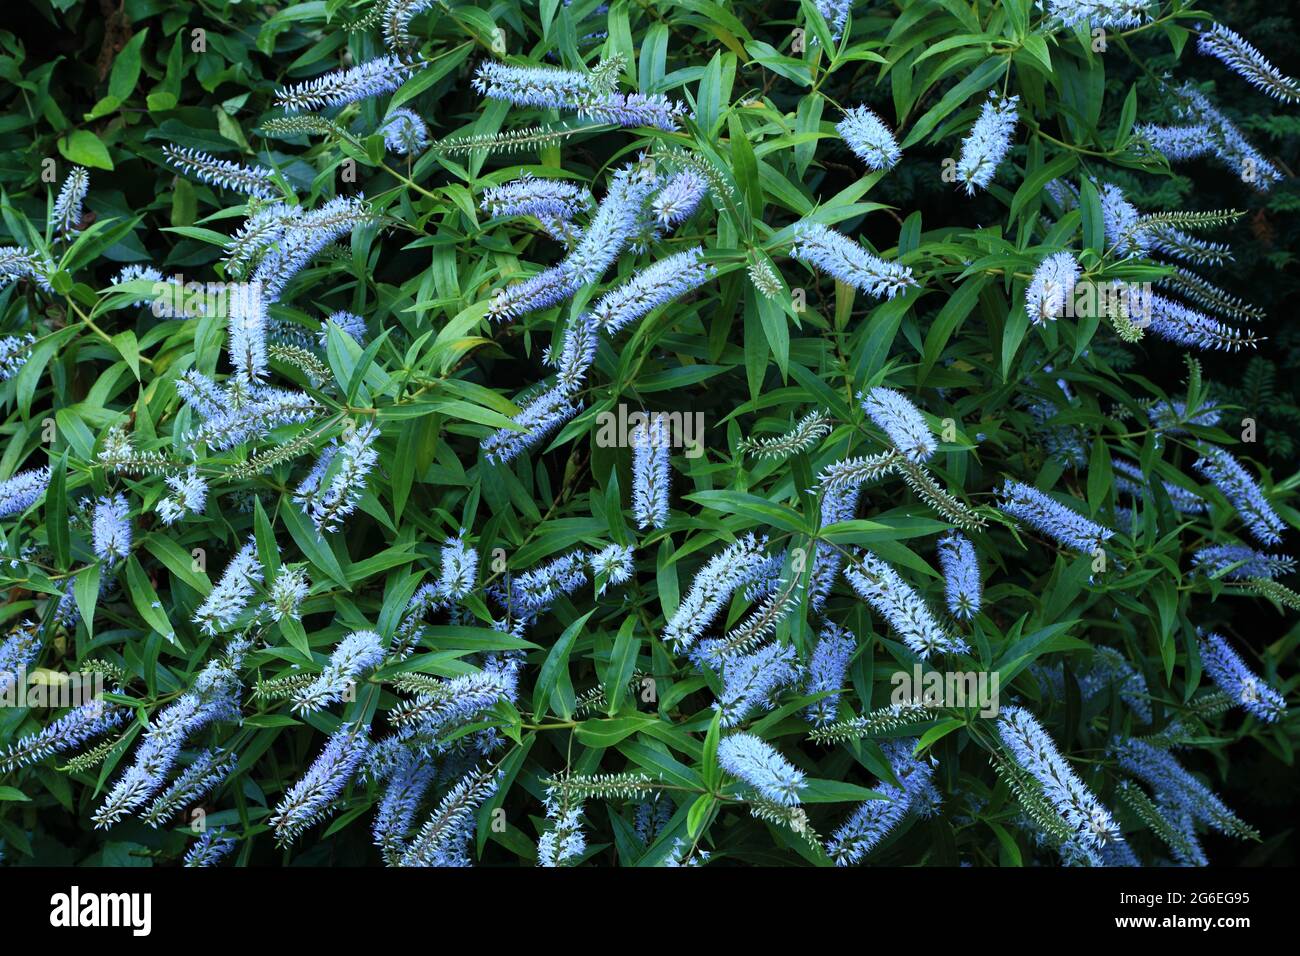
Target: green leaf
pixel 145 599
pixel 759 510
pixel 56 510
pixel 949 320
pixel 622 663
pixel 555 665
pixel 85 149
pixel 86 593
pixel 607 733
pixel 126 68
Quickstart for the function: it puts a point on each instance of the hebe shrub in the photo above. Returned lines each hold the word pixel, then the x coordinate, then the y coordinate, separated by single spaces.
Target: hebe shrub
pixel 637 434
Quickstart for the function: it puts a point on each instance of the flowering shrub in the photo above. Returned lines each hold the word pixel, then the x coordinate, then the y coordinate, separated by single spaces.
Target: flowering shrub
pixel 675 434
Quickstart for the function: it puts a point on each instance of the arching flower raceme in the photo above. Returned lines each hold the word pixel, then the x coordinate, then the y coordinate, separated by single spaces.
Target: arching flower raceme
pixel 1230 673
pixel 404 132
pixel 1035 751
pixel 1064 525
pixel 112 528
pixel 988 143
pixel 712 587
pixel 758 764
pixel 357 653
pixel 873 820
pixel 1186 326
pixel 22 490
pixel 901 420
pixel 961 575
pixel 355 460
pixel 680 197
pixel 408 782
pixel 751 681
pixel 619 218
pixel 636 109
pixel 531 196
pixel 870 823
pixel 650 472
pixel 445 836
pixel 67 212
pixel 1102 13
pixel 213 698
pixel 1177 143
pixel 536 589
pixel 1236 562
pixel 1177 244
pixel 1052 288
pixel 589 94
pixel 841 257
pixel 804 436
pixel 658 284
pixel 1242 492
pixel 18 652
pixel 1230 145
pixel 210 848
pixel 208 771
pixel 232 593
pixel 776 604
pixel 373 78
pixel 310 799
pixel 423 722
pixel 654 286
pixel 869 138
pixel 250 180
pixel 1175 786
pixel 189 496
pixel 617 221
pixel 349 323
pixel 1247 62
pixel 899 604
pixel 79 725
pixel 303 239
pixel 542 291
pixel 827 671
pixel 542 87
pixel 287 592
pixel 540 417
pixel 14 350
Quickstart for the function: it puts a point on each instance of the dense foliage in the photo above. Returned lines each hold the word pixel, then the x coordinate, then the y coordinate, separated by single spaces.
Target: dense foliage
pixel 647 433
